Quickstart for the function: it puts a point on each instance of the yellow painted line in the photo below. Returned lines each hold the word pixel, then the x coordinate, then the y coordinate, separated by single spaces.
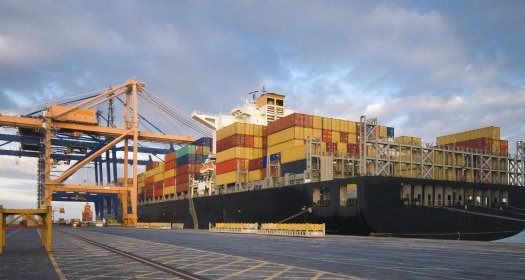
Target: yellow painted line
pixel 243 271
pixel 288 268
pixel 60 275
pixel 317 276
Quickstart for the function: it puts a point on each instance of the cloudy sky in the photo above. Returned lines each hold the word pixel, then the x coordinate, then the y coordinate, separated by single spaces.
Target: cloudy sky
pixel 426 68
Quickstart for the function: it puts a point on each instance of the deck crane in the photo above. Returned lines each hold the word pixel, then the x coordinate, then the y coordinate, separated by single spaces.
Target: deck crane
pixel 81 119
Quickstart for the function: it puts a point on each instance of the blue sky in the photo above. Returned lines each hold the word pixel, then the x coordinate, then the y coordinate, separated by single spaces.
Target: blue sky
pixel 427 68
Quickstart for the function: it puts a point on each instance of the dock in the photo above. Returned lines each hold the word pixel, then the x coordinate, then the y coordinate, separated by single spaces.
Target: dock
pixel 129 253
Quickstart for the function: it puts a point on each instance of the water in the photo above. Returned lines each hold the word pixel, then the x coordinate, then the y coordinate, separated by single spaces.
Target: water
pixel 518 238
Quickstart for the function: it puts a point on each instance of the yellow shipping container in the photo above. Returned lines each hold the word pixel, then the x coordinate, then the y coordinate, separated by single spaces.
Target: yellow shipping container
pixel 336 136
pixel 159 177
pixel 255 175
pixel 317 122
pixel 308 132
pixel 352 127
pixel 170 173
pixel 342 148
pixel 492 132
pixel 327 123
pixel 352 138
pixel 295 132
pixel 382 131
pixel 258 130
pixel 155 171
pixel 496 147
pixel 228 178
pixel 257 142
pixel 239 152
pixel 293 154
pixel 408 140
pixel 169 190
pixel 284 146
pixel 235 128
pixel 317 133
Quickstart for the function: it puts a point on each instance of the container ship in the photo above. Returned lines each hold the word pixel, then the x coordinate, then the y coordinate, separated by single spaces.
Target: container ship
pixel 268 164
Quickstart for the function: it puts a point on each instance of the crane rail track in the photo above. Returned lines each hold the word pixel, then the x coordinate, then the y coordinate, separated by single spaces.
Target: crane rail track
pixel 159 266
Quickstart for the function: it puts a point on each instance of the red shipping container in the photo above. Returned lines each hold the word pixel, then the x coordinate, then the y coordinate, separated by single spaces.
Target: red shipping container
pixel 182 187
pixel 265 132
pixel 150 180
pixel 504 147
pixel 343 138
pixel 248 141
pixel 159 185
pixel 353 150
pixel 169 181
pixel 229 142
pixel 152 165
pixel 295 119
pixel 158 192
pixel 308 121
pixel 255 164
pixel 169 165
pixel 230 165
pixel 188 168
pixel 327 136
pixel 148 194
pixel 331 148
pixel 182 178
pixel 171 156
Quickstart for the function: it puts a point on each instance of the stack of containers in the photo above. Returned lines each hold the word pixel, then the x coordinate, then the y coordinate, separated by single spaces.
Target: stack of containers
pixel 237 144
pixel 189 160
pixel 154 183
pixel 486 140
pixel 170 164
pixel 340 137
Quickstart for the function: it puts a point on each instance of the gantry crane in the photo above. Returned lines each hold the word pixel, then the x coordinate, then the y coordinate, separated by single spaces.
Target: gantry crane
pixel 80 119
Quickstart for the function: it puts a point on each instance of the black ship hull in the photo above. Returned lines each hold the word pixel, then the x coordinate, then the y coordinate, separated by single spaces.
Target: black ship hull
pixel 363 206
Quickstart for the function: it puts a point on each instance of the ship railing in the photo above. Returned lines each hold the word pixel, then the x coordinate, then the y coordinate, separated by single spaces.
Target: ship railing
pixel 299 230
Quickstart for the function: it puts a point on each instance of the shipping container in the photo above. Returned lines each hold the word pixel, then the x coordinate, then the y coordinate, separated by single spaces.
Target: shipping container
pixel 294 132
pixel 170 173
pixel 152 165
pixel 327 135
pixel 491 132
pixel 150 180
pixel 182 178
pixel 171 156
pixel 231 165
pixel 293 154
pixel 255 175
pixel 169 181
pixel 408 140
pixel 317 122
pixel 254 164
pixel 187 168
pixel 170 165
pixel 239 152
pixel 295 167
pixel 158 178
pixel 158 192
pixel 285 145
pixel 169 190
pixel 182 187
pixel 353 150
pixel 504 147
pixel 295 119
pixel 229 178
pixel 204 141
pixel 189 149
pixel 237 128
pixel 191 159
pixel 390 132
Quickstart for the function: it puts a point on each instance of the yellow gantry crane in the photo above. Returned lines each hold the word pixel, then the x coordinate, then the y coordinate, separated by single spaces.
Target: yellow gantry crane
pixel 81 118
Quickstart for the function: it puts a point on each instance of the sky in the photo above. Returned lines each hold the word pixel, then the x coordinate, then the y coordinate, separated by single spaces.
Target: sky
pixel 427 68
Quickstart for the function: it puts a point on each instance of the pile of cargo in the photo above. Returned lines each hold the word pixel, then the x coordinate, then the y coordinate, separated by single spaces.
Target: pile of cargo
pixel 483 140
pixel 189 160
pixel 237 145
pixel 154 175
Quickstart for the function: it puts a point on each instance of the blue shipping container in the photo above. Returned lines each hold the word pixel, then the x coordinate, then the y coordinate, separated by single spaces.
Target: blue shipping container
pixel 390 132
pixel 204 141
pixel 294 167
pixel 191 159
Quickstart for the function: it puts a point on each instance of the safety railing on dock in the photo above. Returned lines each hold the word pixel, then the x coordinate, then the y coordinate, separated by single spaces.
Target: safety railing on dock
pixel 301 230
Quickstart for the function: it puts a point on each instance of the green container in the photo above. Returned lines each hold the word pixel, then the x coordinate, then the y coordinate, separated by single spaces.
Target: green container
pixel 186 150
